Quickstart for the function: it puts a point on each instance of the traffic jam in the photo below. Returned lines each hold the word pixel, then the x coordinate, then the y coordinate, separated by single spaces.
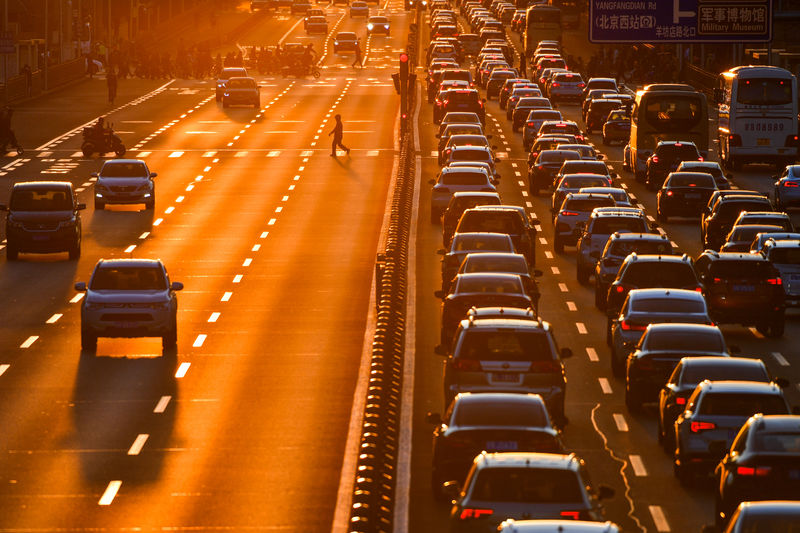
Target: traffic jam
pixel 499 459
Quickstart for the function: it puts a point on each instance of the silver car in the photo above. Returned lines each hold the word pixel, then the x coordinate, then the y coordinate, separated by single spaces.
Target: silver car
pixel 457 179
pixel 124 181
pixel 241 91
pixel 785 256
pixel 129 298
pixel 566 86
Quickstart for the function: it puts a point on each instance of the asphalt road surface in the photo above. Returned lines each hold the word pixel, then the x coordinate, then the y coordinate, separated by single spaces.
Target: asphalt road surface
pixel 246 429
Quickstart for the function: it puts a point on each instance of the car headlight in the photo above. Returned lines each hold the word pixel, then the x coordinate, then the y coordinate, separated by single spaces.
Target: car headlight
pixel 220 84
pixel 336 43
pixel 370 26
pixel 226 93
pixel 386 26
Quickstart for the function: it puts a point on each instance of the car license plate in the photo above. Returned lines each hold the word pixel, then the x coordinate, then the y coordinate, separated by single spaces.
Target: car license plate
pixel 41 237
pixel 762 142
pixel 502 446
pixel 125 325
pixel 744 288
pixel 509 377
pixel 692 196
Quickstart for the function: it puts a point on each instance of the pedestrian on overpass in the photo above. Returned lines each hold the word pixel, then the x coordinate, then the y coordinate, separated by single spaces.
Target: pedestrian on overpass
pixel 338 132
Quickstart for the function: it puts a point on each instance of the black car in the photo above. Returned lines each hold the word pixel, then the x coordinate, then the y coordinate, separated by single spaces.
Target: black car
pixel 43 217
pixel 684 194
pixel 743 288
pixel 666 158
pixel 617 127
pixel 762 464
pixel 492 422
pixel 693 370
pixel 464 100
pixel 597 112
pixel 509 219
pixel 460 202
pixel 709 167
pixel 546 166
pixel 715 224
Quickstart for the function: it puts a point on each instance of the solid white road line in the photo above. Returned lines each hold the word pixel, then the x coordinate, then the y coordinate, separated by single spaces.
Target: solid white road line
pixel 110 493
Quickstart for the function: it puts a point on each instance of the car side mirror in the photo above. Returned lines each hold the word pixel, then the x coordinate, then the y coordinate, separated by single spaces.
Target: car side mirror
pixel 495 181
pixel 483 100
pixel 80 207
pixel 441 251
pixel 494 147
pixel 80 286
pixel 94 174
pixel 438 136
pixel 538 273
pixel 654 226
pixel 605 492
pixel 176 286
pixel 489 137
pixel 781 382
pixel 439 294
pixel 153 174
pixel 613 174
pixel 433 418
pixel 452 490
pixel 566 353
pixel 440 349
pixel 432 181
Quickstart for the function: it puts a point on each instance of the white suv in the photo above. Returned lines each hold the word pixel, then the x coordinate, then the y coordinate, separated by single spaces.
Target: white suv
pixel 129 298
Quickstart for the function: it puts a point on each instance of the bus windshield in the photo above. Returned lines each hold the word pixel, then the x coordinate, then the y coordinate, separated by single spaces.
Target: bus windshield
pixel 673 113
pixel 764 91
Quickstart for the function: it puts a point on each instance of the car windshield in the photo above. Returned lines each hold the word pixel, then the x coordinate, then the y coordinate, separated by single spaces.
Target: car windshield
pixel 741 404
pixel 124 170
pixel 493 243
pixel 609 225
pixel 139 278
pixel 674 340
pixel 498 413
pixel 41 200
pixel 528 485
pixel 667 305
pixel 490 263
pixel 463 178
pixel 695 373
pixel 509 223
pixel 777 442
pixel 659 274
pixel 618 116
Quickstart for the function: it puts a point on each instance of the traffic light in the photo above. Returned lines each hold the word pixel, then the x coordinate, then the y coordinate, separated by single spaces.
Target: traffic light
pixel 403 90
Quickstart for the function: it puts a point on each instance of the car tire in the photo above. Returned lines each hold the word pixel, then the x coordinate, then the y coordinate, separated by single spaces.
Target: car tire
pixel 609 335
pixel 151 203
pixel 99 205
pixel 558 245
pixel 632 401
pixel 583 275
pixel 169 341
pixel 661 216
pixel 775 327
pixel 599 298
pixel 88 341
pixel 75 251
pixel 12 253
pixel 683 474
pixel 606 142
pixel 436 487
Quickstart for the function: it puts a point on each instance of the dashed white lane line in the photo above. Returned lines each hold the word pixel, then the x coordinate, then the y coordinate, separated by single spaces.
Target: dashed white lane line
pixel 662 526
pixel 638 466
pixel 226 297
pixel 247 262
pixel 237 278
pixel 53 319
pixel 542 240
pixel 138 444
pixel 169 210
pixel 77 298
pixel 161 406
pixel 198 342
pixel 556 270
pixel 3 369
pixel 256 247
pixel 548 254
pixel 29 341
pixel 158 221
pixel 571 306
pixel 605 386
pixel 182 370
pixel 619 420
pixel 214 317
pixel 144 235
pixel 130 248
pixel 563 287
pixel 592 353
pixel 581 328
pixel 175 154
pixel 110 493
pixel 780 359
pixel 272 222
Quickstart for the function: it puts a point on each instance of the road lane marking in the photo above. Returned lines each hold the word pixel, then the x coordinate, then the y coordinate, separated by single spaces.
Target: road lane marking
pixel 542 240
pixel 3 369
pixel 29 341
pixel 138 444
pixel 605 386
pixel 169 210
pixel 780 359
pixel 619 420
pixel 256 247
pixel 182 370
pixel 272 221
pixel 179 199
pixel 77 298
pixel 158 221
pixel 198 342
pixel 144 235
pixel 247 262
pixel 662 526
pixel 563 287
pixel 161 406
pixel 110 493
pixel 264 235
pixel 237 278
pixel 548 254
pixel 592 353
pixel 53 319
pixel 555 270
pixel 571 306
pixel 214 317
pixel 638 466
pixel 209 154
pixel 581 328
pixel 278 209
pixel 175 154
pixel 130 248
pixel 226 296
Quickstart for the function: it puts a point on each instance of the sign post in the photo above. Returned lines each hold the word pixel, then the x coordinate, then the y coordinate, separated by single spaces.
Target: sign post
pixel 6 47
pixel 680 21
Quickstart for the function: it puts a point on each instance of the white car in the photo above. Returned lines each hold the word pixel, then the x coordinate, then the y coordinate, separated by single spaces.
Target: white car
pixel 378 24
pixel 124 181
pixel 359 9
pixel 129 298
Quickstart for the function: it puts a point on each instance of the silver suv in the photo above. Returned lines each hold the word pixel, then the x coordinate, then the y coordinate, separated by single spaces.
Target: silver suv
pixel 124 181
pixel 129 298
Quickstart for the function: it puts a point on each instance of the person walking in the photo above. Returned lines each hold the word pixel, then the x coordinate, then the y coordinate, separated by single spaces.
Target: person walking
pixel 111 82
pixel 338 132
pixel 523 66
pixel 357 61
pixel 28 73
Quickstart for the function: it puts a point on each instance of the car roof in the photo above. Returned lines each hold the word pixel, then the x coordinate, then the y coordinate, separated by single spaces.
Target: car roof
pixel 128 161
pixel 518 313
pixel 505 397
pixel 41 184
pixel 475 194
pixel 628 236
pixel 734 256
pixel 489 276
pixel 778 422
pixel 769 507
pixel 666 258
pixel 683 294
pixel 473 170
pixel 527 459
pixel 711 360
pixel 125 263
pixel 630 212
pixel 556 526
pixel 495 255
pixel 683 326
pixel 740 386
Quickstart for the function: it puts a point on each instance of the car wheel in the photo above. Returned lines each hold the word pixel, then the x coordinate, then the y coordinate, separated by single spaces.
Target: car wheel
pixel 599 298
pixel 558 245
pixel 169 341
pixel 88 341
pixel 661 216
pixel 151 203
pixel 12 254
pixel 632 401
pixel 75 251
pixel 605 141
pixel 683 473
pixel 436 487
pixel 583 275
pixel 99 205
pixel 776 326
pixel 609 335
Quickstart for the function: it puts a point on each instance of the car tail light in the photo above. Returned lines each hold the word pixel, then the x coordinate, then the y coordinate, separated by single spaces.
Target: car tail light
pixel 581 85
pixel 789 184
pixel 620 289
pixel 792 140
pixel 573 515
pixel 717 280
pixel 700 158
pixel 775 281
pixel 534 154
pixel 734 139
pixel 680 400
pixel 655 159
pixel 468 513
pixel 568 213
pixel 753 471
pixel 698 289
pixel 627 326
pixel 670 193
pixel 555 84
pixel 540 167
pixel 531 124
pixel 467 365
pixel 697 427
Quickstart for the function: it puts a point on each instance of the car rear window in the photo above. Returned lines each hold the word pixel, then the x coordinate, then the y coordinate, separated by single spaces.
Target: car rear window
pixel 462 96
pixel 626 247
pixel 609 225
pixel 512 414
pixel 579 183
pixel 509 223
pixel 124 170
pixel 470 155
pixel 128 279
pixel 659 274
pixel 246 83
pixel 680 341
pixel 694 180
pixel 587 204
pixel 741 270
pixel 559 156
pixel 489 243
pixel 508 345
pixel 731 210
pixel 674 151
pixel 747 233
pixel 695 373
pixel 29 199
pixel 588 167
pixel 490 284
pixel 528 485
pixel 515 265
pixel 667 305
pixel 777 442
pixel 741 404
pixel 463 178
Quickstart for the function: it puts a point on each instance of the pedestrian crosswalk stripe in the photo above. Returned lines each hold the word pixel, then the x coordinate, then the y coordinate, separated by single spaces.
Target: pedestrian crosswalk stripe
pixel 274 153
pixel 45 154
pixel 176 154
pixel 209 154
pixel 143 154
pixel 240 154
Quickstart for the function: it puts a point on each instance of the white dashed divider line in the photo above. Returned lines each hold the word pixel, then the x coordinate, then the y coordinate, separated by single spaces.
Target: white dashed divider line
pixel 54 318
pixel 556 271
pixel 605 386
pixel 657 513
pixel 138 444
pixel 621 423
pixel 110 493
pixel 182 370
pixel 638 466
pixel 780 359
pixel 161 406
pixel 581 327
pixel 29 341
pixel 3 368
pixel 592 353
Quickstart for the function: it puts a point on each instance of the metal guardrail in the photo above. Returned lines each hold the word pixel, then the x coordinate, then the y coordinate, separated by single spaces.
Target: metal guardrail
pixel 372 506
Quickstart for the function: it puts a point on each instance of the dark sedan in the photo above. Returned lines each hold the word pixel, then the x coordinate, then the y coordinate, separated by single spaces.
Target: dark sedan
pixel 684 194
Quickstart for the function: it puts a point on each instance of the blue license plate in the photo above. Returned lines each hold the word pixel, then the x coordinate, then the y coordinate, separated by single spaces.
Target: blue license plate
pixel 41 237
pixel 744 288
pixel 502 446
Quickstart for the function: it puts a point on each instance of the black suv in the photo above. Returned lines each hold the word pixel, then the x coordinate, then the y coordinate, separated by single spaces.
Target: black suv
pixel 716 224
pixel 509 219
pixel 43 217
pixel 666 158
pixel 618 247
pixel 463 100
pixel 743 288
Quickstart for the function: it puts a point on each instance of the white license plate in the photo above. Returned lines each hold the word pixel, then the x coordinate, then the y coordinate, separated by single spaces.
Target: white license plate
pixel 509 377
pixel 762 142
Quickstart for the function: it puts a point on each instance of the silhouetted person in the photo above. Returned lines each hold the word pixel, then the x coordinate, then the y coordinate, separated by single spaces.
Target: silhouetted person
pixel 338 132
pixel 357 61
pixel 111 81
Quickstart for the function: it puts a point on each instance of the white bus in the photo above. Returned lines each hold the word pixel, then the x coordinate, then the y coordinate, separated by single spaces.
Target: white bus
pixel 757 116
